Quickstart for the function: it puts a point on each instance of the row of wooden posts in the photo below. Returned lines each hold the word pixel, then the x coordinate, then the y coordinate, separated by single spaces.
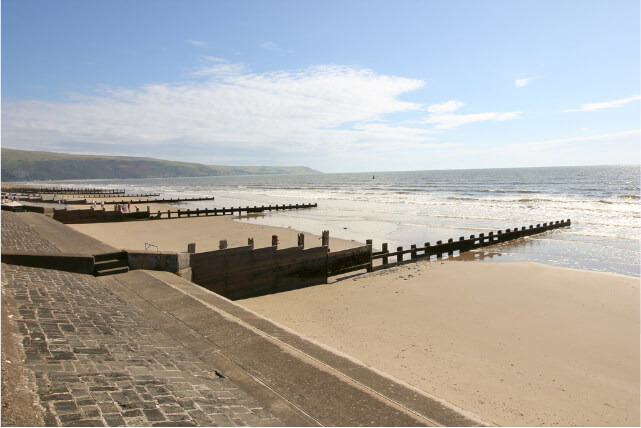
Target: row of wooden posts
pixel 146 201
pixel 222 244
pixel 98 196
pixel 103 215
pixel 437 251
pixel 62 190
pixel 363 258
pixel 224 211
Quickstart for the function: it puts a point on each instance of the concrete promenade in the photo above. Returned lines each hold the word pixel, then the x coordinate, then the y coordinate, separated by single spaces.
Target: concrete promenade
pixel 149 348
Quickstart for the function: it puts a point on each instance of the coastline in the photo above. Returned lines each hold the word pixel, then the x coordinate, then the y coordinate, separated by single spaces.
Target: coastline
pixel 518 343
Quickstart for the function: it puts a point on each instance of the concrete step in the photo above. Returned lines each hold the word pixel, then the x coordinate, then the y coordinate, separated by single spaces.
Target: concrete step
pixel 110 264
pixel 119 255
pixel 112 271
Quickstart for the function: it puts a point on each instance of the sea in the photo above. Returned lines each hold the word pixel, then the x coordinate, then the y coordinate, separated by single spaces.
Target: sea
pixel 415 207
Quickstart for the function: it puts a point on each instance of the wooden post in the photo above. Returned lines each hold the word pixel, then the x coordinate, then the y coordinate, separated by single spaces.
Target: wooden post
pixel 413 253
pixel 168 213
pixel 250 243
pixel 275 241
pixel 222 244
pixel 301 240
pixel 439 255
pixel 370 266
pixel 427 251
pixel 191 248
pixel 148 209
pixel 399 255
pixel 325 238
pixel 450 253
pixel 385 251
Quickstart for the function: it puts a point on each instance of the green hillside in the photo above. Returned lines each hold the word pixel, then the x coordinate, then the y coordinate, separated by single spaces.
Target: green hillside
pixel 20 165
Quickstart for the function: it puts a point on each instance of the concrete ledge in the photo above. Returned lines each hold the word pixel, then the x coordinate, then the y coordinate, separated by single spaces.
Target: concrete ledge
pixel 76 263
pixel 166 261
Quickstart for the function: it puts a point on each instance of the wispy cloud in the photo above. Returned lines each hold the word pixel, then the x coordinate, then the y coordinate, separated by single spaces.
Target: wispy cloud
pixel 274 47
pixel 229 109
pixel 209 58
pixel 441 116
pixel 605 104
pixel 445 107
pixel 519 83
pixel 446 121
pixel 198 43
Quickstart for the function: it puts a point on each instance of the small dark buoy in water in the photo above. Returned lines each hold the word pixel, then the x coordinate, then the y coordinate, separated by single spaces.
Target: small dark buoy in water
pixel 373 177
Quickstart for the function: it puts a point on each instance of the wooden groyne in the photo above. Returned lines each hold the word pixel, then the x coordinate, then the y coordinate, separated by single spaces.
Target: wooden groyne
pixel 228 211
pixel 103 215
pixel 364 258
pixel 246 272
pixel 142 201
pixel 61 190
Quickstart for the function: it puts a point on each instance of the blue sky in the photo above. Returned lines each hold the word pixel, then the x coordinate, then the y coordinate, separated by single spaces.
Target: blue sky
pixel 333 85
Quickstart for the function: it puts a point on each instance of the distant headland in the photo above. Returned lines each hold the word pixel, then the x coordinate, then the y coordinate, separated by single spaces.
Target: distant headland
pixel 20 165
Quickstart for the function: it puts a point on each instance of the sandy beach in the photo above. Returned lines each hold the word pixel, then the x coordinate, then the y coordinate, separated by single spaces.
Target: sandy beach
pixel 205 232
pixel 516 343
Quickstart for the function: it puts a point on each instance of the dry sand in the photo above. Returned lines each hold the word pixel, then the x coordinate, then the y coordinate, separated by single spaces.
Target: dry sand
pixel 206 232
pixel 515 343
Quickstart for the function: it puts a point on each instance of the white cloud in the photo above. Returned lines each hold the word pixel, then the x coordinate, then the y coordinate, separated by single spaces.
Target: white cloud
pixel 605 105
pixel 446 120
pixel 198 43
pixel 311 110
pixel 441 116
pixel 213 58
pixel 519 83
pixel 445 107
pixel 271 46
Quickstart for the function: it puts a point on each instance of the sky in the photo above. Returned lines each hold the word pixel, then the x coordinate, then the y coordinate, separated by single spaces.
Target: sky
pixel 335 85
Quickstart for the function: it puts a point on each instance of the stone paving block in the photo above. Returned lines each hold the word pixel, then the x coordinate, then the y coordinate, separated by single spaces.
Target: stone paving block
pixel 113 419
pixel 65 407
pixel 200 417
pixel 67 418
pixel 176 417
pixel 108 407
pixel 92 411
pixel 132 413
pixel 87 423
pixel 174 424
pixel 220 419
pixel 154 415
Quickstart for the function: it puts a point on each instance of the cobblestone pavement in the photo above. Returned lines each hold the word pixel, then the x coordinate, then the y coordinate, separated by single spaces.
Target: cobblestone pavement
pixel 19 236
pixel 99 362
